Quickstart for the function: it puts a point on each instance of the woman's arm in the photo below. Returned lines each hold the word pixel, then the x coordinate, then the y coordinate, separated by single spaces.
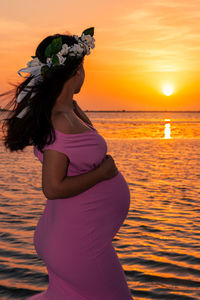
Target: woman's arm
pixel 71 186
pixel 80 113
pixel 56 183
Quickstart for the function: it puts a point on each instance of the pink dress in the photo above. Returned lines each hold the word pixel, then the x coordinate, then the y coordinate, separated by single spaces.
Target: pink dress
pixel 74 235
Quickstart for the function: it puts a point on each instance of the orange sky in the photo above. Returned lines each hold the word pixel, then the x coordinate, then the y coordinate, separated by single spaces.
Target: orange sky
pixel 140 47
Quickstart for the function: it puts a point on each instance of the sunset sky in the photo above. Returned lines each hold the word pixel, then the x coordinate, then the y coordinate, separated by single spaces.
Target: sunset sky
pixel 146 55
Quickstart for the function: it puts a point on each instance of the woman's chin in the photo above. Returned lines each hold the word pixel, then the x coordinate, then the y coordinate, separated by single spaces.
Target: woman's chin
pixel 77 91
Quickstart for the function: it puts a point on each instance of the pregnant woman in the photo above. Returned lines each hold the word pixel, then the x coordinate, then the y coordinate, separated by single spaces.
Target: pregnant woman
pixel 87 197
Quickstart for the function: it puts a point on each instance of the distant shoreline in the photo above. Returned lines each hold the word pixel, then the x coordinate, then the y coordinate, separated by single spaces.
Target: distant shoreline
pixel 137 111
pixel 176 111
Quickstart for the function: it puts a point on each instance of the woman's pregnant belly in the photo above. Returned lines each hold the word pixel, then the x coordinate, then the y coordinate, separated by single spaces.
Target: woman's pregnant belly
pixel 108 202
pixel 106 208
pixel 87 222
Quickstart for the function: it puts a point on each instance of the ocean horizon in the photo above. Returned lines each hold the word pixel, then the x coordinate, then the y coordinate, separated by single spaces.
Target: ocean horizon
pixel 124 110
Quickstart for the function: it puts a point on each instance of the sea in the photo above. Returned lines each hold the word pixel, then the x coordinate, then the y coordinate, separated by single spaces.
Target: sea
pixel 158 245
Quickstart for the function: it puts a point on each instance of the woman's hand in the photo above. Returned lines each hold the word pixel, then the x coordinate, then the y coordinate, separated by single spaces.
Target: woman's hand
pixel 107 168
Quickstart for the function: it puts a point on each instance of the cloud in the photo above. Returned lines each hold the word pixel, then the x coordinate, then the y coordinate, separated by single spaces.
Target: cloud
pixel 9 26
pixel 156 31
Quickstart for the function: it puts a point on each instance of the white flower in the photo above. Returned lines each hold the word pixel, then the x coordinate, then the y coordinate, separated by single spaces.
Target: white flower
pixel 85 47
pixel 64 50
pixel 76 49
pixel 34 62
pixel 88 39
pixel 49 60
pixel 61 58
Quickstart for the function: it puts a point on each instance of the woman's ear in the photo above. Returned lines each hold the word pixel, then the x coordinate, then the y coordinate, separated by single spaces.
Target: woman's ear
pixel 78 72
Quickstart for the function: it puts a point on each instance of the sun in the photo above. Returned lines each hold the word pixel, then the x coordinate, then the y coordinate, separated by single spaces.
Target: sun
pixel 168 89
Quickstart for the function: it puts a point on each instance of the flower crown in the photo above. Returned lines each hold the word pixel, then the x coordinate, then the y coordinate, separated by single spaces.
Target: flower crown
pixel 54 54
pixel 55 51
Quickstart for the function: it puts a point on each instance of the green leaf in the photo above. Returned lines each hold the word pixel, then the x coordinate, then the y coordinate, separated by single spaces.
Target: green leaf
pixel 48 51
pixel 55 60
pixel 56 45
pixel 44 69
pixel 89 31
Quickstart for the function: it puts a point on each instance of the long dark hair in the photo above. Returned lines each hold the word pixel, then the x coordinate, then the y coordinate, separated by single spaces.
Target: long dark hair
pixel 36 125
